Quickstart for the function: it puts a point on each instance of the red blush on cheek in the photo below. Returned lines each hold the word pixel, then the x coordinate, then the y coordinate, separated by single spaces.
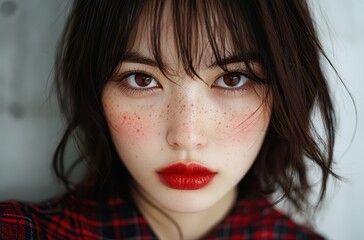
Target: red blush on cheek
pixel 243 129
pixel 127 123
pixel 130 126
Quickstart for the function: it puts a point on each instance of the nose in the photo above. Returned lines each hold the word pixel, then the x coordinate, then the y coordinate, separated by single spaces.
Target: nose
pixel 187 124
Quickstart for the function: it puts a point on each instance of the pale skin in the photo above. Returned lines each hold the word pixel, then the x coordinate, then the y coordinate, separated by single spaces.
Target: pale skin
pixel 210 121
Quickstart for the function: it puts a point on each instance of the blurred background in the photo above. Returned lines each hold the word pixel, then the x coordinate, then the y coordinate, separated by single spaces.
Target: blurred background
pixel 30 123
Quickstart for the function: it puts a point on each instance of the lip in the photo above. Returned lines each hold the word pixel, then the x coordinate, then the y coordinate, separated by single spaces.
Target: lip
pixel 186 176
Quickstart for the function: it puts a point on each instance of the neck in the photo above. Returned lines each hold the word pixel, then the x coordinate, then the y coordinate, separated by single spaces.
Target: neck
pixel 168 224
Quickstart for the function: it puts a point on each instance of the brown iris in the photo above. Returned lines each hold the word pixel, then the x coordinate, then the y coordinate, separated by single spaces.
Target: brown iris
pixel 143 80
pixel 232 79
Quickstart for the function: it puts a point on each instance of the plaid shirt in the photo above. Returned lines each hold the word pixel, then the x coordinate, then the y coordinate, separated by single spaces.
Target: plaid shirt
pixel 115 218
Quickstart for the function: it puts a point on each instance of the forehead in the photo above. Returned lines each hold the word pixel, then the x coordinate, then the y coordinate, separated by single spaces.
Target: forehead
pixel 188 36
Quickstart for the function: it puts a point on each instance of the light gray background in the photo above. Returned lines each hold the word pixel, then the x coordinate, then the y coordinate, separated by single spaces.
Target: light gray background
pixel 30 124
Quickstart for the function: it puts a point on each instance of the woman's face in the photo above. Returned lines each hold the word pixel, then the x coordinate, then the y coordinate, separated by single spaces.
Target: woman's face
pixel 186 141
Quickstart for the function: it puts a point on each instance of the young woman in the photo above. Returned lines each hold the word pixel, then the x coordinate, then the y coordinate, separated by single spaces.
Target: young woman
pixel 189 116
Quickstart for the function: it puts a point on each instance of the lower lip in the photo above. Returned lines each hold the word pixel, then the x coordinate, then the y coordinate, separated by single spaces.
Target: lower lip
pixel 186 180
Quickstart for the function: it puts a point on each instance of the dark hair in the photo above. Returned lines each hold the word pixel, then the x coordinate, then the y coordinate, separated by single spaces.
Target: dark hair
pixel 281 36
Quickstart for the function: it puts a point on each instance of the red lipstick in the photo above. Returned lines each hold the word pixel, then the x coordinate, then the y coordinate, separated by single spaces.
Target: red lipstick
pixel 186 177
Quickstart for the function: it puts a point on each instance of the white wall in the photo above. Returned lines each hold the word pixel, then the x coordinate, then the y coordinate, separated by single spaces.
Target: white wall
pixel 342 217
pixel 30 124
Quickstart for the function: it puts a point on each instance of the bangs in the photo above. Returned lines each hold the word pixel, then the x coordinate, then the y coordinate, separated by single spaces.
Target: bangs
pixel 226 30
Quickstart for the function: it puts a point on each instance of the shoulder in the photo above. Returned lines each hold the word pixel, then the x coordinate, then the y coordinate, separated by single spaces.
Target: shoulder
pixel 278 224
pixel 14 220
pixel 67 217
pixel 20 220
pixel 260 220
pixel 17 221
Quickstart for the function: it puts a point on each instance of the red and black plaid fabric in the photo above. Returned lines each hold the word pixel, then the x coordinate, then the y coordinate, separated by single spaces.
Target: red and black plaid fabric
pixel 69 218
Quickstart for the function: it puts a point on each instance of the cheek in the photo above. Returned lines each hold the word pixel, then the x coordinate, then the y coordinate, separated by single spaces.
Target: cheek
pixel 243 127
pixel 129 127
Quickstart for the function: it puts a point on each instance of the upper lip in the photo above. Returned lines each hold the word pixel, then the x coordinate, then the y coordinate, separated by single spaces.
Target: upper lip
pixel 182 168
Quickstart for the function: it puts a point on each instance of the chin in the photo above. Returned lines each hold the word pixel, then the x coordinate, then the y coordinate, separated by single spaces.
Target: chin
pixel 187 201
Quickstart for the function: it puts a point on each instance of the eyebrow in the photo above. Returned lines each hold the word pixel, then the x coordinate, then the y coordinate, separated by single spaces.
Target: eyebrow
pixel 250 57
pixel 136 57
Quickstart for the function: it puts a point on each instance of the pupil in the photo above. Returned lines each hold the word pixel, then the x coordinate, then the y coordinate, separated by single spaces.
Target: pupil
pixel 142 80
pixel 232 79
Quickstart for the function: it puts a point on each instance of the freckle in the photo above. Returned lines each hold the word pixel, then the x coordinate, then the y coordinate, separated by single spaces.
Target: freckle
pixel 138 117
pixel 150 115
pixel 192 105
pixel 224 113
pixel 136 156
pixel 138 130
pixel 124 117
pixel 219 123
pixel 162 149
pixel 117 105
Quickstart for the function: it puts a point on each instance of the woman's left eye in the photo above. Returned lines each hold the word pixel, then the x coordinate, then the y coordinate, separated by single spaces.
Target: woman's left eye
pixel 230 80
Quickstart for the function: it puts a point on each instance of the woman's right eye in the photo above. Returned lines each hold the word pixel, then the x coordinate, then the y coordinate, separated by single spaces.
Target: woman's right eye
pixel 140 81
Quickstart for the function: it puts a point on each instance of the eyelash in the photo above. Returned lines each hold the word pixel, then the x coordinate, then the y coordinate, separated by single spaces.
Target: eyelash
pixel 234 91
pixel 148 91
pixel 136 91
